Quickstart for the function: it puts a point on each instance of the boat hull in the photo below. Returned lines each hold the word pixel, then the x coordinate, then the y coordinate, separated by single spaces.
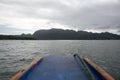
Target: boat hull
pixel 58 67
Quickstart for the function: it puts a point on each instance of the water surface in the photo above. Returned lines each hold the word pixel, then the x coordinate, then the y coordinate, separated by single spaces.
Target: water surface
pixel 16 54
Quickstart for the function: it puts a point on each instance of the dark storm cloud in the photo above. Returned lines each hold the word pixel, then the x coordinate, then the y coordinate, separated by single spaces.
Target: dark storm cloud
pixel 76 14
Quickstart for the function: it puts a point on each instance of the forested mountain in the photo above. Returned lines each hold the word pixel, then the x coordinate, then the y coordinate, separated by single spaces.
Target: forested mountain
pixel 60 34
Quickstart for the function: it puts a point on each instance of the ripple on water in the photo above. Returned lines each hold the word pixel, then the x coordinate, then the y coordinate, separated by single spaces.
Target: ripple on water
pixel 14 57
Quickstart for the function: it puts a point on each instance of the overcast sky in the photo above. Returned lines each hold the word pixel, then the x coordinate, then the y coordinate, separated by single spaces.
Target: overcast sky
pixel 27 16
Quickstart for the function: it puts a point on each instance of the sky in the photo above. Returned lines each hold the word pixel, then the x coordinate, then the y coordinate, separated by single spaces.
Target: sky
pixel 27 16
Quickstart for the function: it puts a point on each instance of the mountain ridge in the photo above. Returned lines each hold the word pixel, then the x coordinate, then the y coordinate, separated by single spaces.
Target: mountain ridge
pixel 60 34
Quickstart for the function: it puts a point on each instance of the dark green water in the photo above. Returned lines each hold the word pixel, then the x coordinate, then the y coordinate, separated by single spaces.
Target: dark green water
pixel 16 54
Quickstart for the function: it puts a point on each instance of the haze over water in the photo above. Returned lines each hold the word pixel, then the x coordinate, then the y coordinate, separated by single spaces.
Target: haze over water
pixel 16 54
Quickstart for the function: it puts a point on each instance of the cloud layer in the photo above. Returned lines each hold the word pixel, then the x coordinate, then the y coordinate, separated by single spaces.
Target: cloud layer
pixel 89 15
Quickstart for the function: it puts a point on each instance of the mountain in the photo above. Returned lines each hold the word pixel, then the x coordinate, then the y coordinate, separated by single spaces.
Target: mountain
pixel 60 34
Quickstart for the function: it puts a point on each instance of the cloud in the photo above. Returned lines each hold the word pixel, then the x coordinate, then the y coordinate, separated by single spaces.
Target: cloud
pixel 9 30
pixel 88 15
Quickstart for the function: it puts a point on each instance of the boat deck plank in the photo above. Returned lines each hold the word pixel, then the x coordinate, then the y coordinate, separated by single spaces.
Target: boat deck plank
pixel 57 68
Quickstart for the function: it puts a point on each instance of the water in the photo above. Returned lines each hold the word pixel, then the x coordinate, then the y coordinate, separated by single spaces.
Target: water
pixel 16 54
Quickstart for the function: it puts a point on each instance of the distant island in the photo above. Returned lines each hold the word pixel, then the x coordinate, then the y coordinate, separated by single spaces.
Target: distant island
pixel 60 34
pixel 16 37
